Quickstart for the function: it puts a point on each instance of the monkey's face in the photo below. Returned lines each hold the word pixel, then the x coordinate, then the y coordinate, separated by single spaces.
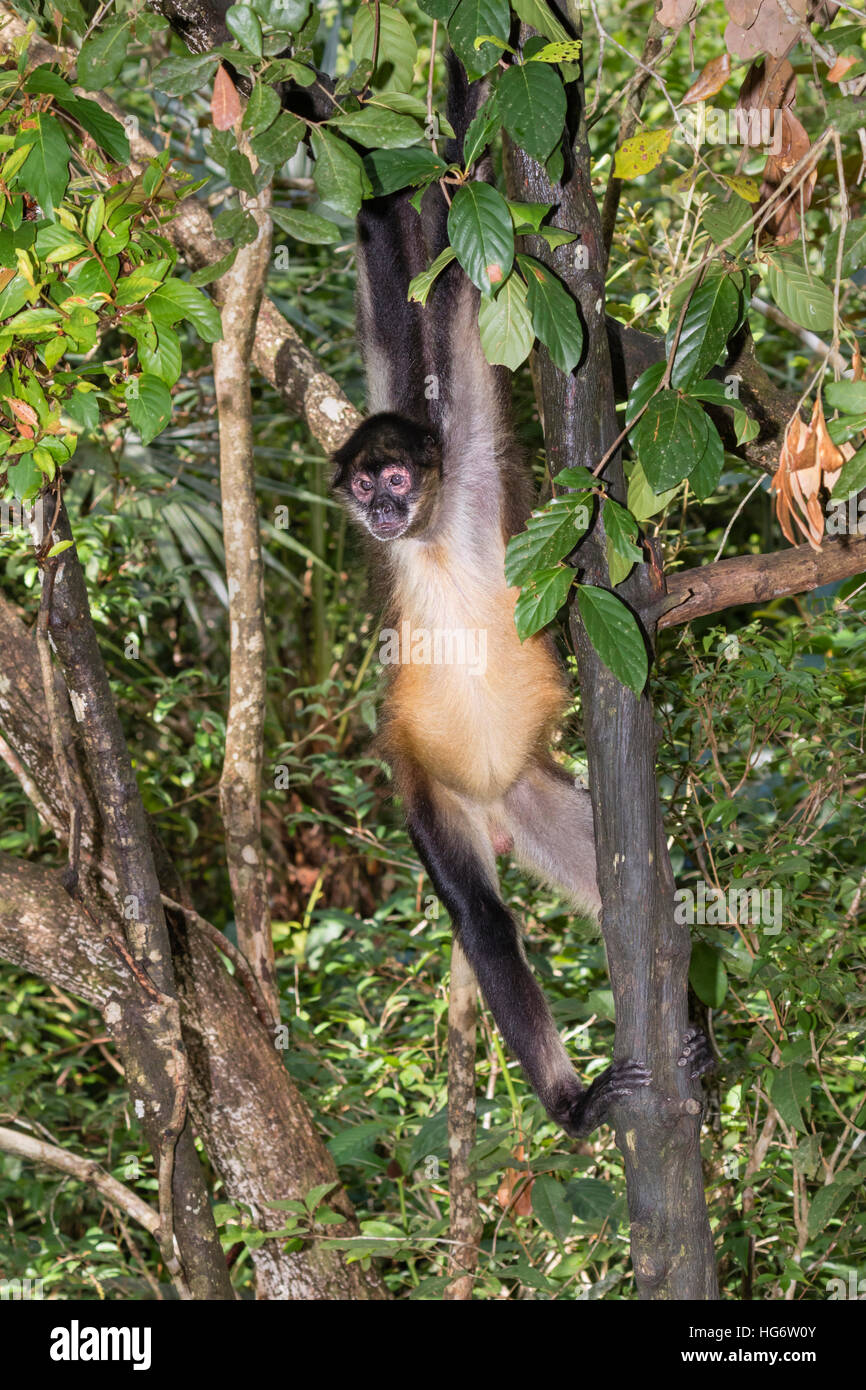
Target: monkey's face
pixel 388 475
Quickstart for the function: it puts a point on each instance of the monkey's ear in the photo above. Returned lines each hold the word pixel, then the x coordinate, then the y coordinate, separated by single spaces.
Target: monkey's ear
pixel 341 459
pixel 430 447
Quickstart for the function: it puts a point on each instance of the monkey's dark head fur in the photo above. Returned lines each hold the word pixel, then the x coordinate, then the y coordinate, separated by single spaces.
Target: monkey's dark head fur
pixel 388 475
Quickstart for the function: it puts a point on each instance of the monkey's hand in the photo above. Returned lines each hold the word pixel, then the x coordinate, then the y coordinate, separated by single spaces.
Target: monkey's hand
pixel 696 1052
pixel 590 1107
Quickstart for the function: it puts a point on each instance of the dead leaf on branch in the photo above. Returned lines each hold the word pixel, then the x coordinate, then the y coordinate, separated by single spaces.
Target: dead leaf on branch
pixel 510 1180
pixel 225 105
pixel 710 80
pixel 764 116
pixel 761 26
pixel 841 66
pixel 673 14
pixel 785 220
pixel 809 460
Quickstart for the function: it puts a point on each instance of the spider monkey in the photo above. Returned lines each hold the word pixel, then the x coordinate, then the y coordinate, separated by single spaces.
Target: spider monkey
pixel 434 479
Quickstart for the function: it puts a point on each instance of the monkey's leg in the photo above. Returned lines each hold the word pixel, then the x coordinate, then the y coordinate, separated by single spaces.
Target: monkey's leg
pixel 459 859
pixel 550 823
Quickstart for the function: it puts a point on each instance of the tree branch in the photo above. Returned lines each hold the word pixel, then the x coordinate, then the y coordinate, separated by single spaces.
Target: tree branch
pixel 34 1150
pixel 240 293
pixel 747 579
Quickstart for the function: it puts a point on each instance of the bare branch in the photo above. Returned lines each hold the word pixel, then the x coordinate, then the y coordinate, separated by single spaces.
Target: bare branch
pixel 240 293
pixel 758 578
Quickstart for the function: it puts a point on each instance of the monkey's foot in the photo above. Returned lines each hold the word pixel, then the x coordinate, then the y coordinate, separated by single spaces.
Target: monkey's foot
pixel 589 1108
pixel 696 1053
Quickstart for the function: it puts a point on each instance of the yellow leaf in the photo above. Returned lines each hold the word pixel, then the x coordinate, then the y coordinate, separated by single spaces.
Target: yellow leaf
pixel 641 153
pixel 743 187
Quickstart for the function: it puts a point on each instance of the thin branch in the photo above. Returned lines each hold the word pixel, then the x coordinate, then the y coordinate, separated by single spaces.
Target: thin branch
pixel 747 579
pixel 85 1170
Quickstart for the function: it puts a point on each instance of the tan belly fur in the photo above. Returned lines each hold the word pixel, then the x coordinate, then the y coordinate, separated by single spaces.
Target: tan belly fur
pixel 476 730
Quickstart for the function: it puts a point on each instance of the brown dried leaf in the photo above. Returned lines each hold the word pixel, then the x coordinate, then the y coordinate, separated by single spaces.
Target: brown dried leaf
pixel 857 363
pixel 23 412
pixel 793 143
pixel 840 67
pixel 711 79
pixel 674 13
pixel 510 1181
pixel 225 104
pixel 761 26
pixel 808 462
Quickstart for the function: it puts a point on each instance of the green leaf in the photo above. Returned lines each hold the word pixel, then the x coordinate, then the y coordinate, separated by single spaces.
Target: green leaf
pixel 107 131
pixel 707 975
pixel 240 172
pixel 827 1200
pixel 149 403
pixel 339 173
pixel 549 536
pixel 283 14
pixel 847 396
pixel 550 1206
pixel 541 599
pixel 643 390
pixel 279 142
pixel 262 109
pixel 374 127
pixel 717 393
pixel 540 16
pixel 306 226
pixel 164 360
pixel 704 477
pixel 397 51
pixel 791 1093
pixel 389 170
pixel 669 439
pixel 854 253
pixel 804 298
pixel 421 285
pixel 505 325
pixel 437 9
pixel 102 55
pixel 177 299
pixel 480 132
pixel 554 314
pixel 529 214
pixel 180 76
pixel 479 228
pixel 590 1199
pixel 472 19
pixel 613 631
pixel 712 315
pixel 621 533
pixel 643 503
pixel 852 477
pixel 45 172
pixel 531 101
pixel 24 478
pixel 724 220
pixel 141 282
pixel 243 24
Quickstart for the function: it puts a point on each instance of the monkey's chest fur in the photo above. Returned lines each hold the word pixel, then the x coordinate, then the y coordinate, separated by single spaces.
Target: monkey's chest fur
pixel 469 701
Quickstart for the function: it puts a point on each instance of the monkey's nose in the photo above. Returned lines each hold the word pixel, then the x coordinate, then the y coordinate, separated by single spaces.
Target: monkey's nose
pixel 385 508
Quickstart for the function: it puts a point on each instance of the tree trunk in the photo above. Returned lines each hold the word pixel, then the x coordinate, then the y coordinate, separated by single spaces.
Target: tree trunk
pixel 658 1130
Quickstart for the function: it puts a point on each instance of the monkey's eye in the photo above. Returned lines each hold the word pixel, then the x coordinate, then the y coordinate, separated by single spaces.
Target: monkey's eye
pixel 398 480
pixel 362 484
